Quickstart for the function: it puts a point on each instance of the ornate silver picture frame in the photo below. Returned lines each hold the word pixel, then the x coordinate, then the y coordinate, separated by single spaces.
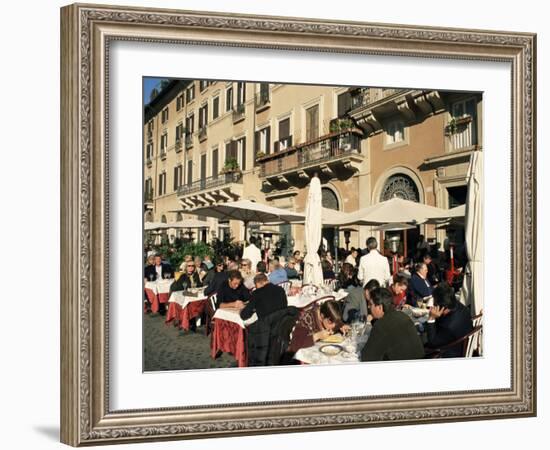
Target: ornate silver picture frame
pixel 87 32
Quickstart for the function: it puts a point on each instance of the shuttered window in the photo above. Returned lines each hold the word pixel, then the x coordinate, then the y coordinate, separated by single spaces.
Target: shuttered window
pixel 312 123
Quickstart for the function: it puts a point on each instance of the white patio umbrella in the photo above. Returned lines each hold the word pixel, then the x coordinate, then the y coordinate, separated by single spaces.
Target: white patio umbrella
pixel 395 210
pixel 248 211
pixel 189 223
pixel 455 214
pixel 153 226
pixel 313 274
pixel 472 288
pixel 394 227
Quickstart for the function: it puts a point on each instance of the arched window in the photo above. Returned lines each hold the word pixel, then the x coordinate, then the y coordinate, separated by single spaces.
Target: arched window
pixel 163 219
pixel 401 186
pixel 149 216
pixel 330 200
pixel 179 217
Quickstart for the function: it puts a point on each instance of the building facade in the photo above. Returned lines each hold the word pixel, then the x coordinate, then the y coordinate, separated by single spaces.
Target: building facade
pixel 207 142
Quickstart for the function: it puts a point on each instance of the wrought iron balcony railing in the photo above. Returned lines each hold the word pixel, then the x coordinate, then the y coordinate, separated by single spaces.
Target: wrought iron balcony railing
pixel 188 141
pixel 203 133
pixel 212 182
pixel 262 100
pixel 317 152
pixel 238 112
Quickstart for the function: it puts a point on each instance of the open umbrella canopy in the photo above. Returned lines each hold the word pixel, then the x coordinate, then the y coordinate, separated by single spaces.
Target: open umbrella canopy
pixel 152 226
pixel 394 227
pixel 189 223
pixel 248 211
pixel 455 214
pixel 395 210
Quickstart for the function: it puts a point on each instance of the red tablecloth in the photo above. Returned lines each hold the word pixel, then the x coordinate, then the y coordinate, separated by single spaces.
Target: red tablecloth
pixel 153 299
pixel 184 315
pixel 229 337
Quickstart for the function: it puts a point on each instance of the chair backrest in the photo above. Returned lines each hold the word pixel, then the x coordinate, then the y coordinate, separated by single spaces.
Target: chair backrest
pixel 477 319
pixel 213 300
pixel 472 341
pixel 286 286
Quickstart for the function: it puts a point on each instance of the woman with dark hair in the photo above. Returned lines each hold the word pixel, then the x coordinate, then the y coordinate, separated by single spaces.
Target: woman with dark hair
pixel 315 324
pixel 216 277
pixel 355 305
pixel 328 273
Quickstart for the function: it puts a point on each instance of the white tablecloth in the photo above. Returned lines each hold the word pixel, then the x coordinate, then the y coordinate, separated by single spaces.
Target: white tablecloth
pixel 184 300
pixel 233 315
pixel 351 352
pixel 159 286
pixel 301 301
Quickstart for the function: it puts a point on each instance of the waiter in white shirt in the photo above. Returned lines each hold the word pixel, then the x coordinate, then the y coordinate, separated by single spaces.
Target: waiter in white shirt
pixel 373 265
pixel 252 253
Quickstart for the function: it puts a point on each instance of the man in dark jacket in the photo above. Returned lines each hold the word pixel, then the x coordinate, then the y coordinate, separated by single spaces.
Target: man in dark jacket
pixel 158 270
pixel 268 337
pixel 267 298
pixel 393 336
pixel 419 285
pixel 449 320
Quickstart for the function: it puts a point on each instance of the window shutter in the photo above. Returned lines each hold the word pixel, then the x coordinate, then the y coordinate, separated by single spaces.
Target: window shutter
pixel 243 166
pixel 268 141
pixel 284 128
pixel 257 146
pixel 205 114
pixel 175 178
pixel 216 108
pixel 215 164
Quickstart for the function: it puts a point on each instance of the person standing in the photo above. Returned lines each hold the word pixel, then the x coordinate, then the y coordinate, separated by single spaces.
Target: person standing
pixel 374 265
pixel 252 253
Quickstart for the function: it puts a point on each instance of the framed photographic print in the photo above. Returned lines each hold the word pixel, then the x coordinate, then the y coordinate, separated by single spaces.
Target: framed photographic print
pixel 260 212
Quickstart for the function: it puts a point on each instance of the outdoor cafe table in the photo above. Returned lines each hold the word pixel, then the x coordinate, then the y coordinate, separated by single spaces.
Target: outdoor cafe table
pixel 230 334
pixel 301 301
pixel 158 292
pixel 351 351
pixel 183 308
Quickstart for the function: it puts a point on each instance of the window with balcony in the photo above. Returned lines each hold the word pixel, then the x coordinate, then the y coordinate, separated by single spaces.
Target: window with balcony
pixel 215 108
pixel 189 172
pixel 262 142
pixel 179 137
pixel 162 184
pixel 285 138
pixel 462 128
pixel 178 176
pixel 190 93
pixel 229 99
pixel 203 116
pixel 163 144
pixel 215 163
pixel 164 115
pixel 312 123
pixel 344 104
pixel 149 152
pixel 395 132
pixel 241 93
pixel 241 152
pixel 179 102
pixel 148 191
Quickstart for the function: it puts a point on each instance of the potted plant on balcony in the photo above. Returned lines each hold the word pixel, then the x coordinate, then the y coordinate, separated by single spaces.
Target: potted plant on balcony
pixel 340 125
pixel 260 155
pixel 231 169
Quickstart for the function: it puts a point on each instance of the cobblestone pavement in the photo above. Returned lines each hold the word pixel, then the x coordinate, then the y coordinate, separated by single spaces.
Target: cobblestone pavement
pixel 168 348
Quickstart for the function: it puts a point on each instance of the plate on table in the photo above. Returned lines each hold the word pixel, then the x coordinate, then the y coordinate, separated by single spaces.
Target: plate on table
pixel 331 349
pixel 334 339
pixel 419 312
